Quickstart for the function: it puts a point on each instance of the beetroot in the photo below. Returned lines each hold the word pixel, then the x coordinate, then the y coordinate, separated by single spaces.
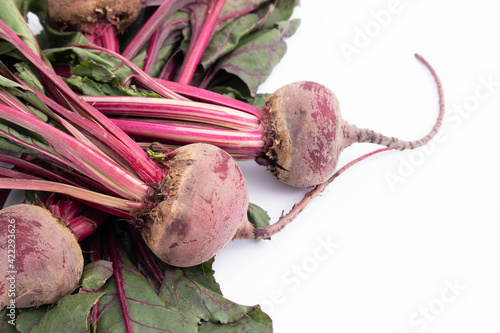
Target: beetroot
pixel 85 15
pixel 41 260
pixel 206 205
pixel 101 21
pixel 304 133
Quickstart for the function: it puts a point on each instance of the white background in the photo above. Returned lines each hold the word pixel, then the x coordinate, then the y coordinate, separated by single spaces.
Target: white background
pixel 418 255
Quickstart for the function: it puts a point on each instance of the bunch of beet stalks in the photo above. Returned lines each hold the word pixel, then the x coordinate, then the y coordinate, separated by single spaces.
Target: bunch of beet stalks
pixel 95 156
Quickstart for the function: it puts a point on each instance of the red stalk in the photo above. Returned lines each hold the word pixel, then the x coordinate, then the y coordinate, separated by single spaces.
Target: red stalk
pixel 145 254
pixel 154 22
pixel 84 157
pixel 83 220
pixel 70 208
pixel 245 143
pixel 47 153
pixel 155 44
pixel 85 224
pixel 62 206
pixel 74 176
pixel 33 168
pixel 95 255
pixel 199 42
pixel 23 169
pixel 148 170
pixel 11 173
pixel 120 291
pixel 79 193
pixel 112 146
pixel 162 108
pixel 207 96
pixel 104 35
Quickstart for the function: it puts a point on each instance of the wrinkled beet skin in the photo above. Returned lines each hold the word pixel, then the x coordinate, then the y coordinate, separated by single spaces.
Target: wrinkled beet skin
pixel 48 262
pixel 302 123
pixel 206 205
pixel 78 13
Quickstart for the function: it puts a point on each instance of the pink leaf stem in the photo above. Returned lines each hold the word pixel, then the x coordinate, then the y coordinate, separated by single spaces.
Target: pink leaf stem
pixel 172 109
pixel 199 42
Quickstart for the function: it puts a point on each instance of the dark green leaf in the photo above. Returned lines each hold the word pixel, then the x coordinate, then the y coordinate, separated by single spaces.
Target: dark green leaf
pixel 163 55
pixel 228 38
pixel 145 311
pixel 253 321
pixel 282 12
pixel 50 38
pixel 257 216
pixel 29 318
pixel 8 145
pixel 86 86
pixel 259 100
pixel 15 93
pixel 203 275
pixel 96 274
pixel 25 136
pixel 28 76
pixel 69 315
pixel 7 324
pixel 231 8
pixel 13 18
pixel 97 65
pixel 254 59
pixel 288 28
pixel 230 85
pixel 33 196
pixel 37 7
pixel 96 73
pixel 193 291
